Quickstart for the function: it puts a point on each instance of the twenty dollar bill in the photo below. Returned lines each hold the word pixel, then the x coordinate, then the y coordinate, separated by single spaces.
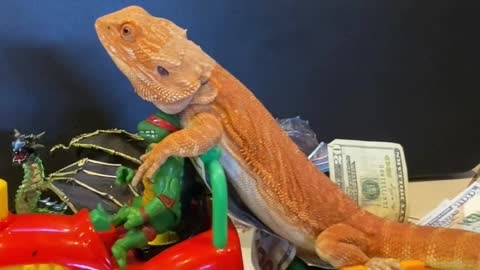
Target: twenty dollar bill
pixel 372 173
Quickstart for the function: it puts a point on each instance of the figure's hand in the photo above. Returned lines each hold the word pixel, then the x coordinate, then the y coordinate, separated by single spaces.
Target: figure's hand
pixel 124 176
pixel 134 219
pixel 121 216
pixel 151 162
pixel 130 217
pixel 102 221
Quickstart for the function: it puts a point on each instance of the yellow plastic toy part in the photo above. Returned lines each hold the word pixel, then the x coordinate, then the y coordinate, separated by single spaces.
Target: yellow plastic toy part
pixel 35 267
pixel 3 199
pixel 165 238
pixel 406 265
pixel 413 265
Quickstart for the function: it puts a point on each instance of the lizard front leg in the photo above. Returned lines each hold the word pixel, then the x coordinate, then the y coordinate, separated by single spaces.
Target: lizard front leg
pixel 342 245
pixel 201 133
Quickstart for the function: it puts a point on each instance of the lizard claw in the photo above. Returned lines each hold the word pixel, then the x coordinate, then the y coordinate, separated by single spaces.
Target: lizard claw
pixel 151 171
pixel 139 174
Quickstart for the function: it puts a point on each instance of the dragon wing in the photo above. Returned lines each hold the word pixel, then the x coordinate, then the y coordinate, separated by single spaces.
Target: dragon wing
pixel 111 145
pixel 90 181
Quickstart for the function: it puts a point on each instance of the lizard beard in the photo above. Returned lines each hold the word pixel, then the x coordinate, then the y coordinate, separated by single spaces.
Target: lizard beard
pixel 173 108
pixel 203 96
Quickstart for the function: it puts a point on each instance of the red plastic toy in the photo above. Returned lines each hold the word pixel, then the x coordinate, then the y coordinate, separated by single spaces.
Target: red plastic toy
pixel 60 242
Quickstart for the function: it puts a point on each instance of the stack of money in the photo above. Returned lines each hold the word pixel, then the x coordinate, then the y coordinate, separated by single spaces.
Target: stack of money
pixel 462 212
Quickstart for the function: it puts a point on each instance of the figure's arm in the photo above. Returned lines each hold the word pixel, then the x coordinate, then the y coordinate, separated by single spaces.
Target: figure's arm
pixel 201 133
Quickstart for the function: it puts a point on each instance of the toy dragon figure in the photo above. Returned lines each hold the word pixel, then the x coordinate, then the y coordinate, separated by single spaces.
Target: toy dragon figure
pixel 30 196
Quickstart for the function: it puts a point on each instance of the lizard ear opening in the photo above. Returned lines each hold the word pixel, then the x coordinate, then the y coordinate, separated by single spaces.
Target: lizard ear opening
pixel 205 95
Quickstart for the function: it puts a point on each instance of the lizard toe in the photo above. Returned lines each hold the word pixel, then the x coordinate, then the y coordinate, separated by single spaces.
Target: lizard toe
pixel 148 168
pixel 144 157
pixel 139 175
pixel 151 171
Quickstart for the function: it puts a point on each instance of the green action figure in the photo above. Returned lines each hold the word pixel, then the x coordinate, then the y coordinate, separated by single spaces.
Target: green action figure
pixel 148 219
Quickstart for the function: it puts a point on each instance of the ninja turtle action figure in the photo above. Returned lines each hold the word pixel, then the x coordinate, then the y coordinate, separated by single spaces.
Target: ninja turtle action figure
pixel 149 218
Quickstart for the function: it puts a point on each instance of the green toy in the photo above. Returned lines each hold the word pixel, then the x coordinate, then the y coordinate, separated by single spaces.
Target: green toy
pixel 149 218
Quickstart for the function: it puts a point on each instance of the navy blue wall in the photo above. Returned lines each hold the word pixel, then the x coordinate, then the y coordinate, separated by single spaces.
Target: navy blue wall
pixel 403 71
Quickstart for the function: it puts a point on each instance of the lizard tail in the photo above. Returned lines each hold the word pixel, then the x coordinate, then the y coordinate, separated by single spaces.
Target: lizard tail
pixel 439 248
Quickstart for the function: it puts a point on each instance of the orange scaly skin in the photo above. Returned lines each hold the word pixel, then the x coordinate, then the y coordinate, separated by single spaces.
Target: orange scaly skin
pixel 273 177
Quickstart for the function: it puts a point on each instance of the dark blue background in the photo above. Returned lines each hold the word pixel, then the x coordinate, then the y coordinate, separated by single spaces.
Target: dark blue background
pixel 402 71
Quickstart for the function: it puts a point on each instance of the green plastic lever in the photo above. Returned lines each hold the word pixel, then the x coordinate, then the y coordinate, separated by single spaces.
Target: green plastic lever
pixel 218 182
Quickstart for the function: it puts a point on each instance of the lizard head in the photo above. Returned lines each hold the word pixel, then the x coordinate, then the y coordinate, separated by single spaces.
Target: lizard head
pixel 163 66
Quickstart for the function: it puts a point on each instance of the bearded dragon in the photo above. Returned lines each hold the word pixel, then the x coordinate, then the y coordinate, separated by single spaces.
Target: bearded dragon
pixel 272 176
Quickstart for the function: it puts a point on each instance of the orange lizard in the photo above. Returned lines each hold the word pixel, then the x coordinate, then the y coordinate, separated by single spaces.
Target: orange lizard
pixel 272 176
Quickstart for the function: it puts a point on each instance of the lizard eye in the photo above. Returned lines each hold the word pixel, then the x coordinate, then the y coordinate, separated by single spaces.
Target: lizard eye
pixel 162 71
pixel 127 32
